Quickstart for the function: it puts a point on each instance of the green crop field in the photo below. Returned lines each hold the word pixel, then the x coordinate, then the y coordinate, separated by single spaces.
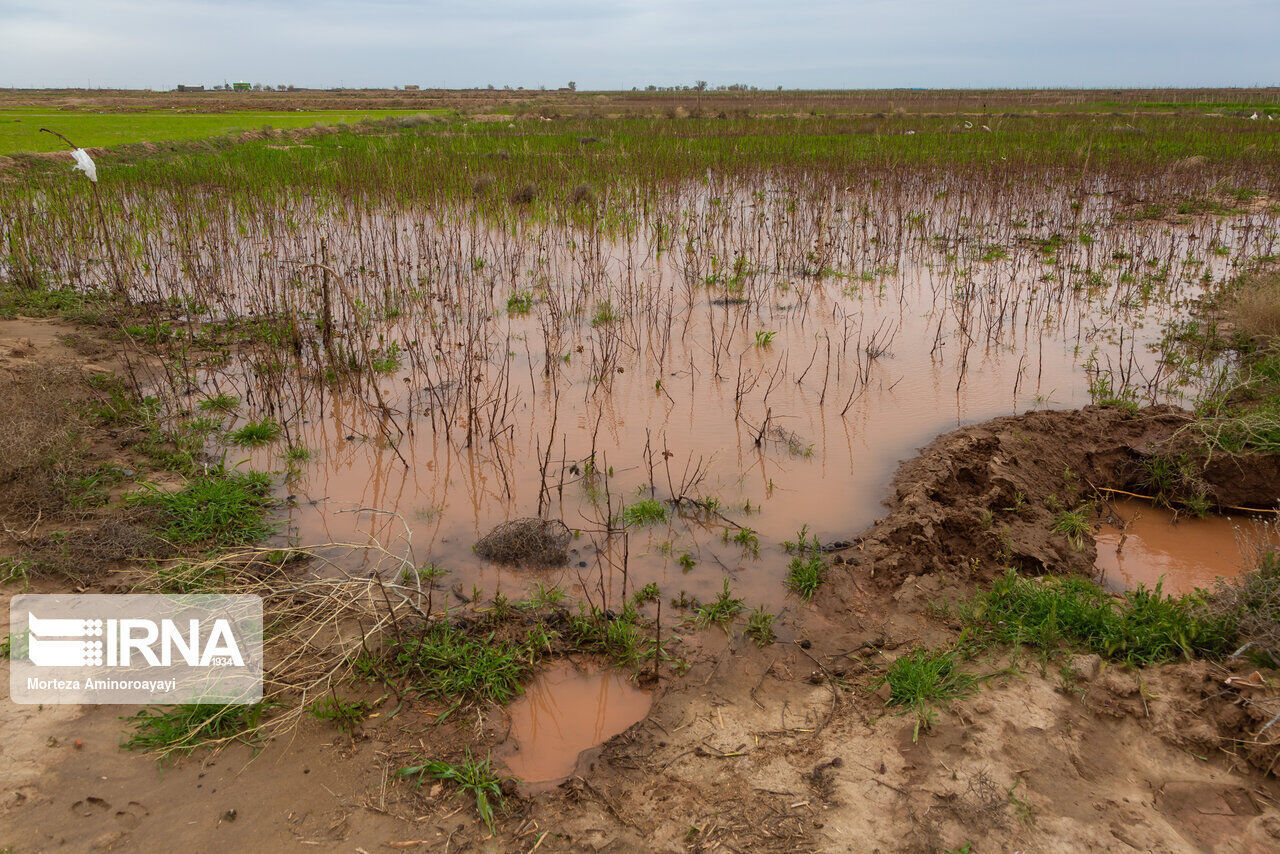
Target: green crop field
pixel 20 128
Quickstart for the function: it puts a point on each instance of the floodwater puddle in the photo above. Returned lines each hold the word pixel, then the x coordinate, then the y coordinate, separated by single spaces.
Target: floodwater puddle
pixel 565 711
pixel 768 370
pixel 1187 552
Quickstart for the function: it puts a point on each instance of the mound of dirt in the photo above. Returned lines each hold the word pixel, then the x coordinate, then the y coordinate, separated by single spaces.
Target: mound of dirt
pixel 983 498
pixel 980 498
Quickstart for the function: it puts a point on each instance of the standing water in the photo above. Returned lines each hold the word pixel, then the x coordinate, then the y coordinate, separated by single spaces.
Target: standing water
pixel 775 363
pixel 1152 544
pixel 742 354
pixel 565 711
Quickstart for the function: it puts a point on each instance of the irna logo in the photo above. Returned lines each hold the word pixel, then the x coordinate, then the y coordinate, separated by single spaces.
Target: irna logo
pixel 55 642
pixel 135 648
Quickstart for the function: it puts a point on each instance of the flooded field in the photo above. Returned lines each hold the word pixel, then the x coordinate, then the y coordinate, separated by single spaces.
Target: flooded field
pixel 764 374
pixel 757 362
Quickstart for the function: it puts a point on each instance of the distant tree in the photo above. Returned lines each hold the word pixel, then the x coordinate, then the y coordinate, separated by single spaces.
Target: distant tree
pixel 573 87
pixel 701 85
pixel 257 87
pixel 490 87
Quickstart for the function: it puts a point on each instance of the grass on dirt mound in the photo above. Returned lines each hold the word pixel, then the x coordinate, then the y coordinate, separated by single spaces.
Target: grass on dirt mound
pixel 923 679
pixel 1140 627
pixel 1235 347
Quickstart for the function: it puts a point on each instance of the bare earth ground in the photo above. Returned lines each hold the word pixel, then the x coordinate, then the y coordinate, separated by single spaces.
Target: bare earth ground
pixel 785 748
pixel 564 102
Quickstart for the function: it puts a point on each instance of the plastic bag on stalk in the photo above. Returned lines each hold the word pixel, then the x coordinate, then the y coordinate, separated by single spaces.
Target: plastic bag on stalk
pixel 85 164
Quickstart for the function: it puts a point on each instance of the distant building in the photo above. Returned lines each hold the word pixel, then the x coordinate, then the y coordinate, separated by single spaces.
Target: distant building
pixel 411 87
pixel 241 87
pixel 182 88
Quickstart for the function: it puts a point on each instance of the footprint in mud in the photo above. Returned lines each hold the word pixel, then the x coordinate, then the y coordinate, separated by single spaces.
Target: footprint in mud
pixel 132 815
pixel 90 807
pixel 23 349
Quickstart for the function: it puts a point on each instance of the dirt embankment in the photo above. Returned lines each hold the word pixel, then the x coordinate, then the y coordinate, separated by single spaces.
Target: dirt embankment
pixel 979 499
pixel 787 748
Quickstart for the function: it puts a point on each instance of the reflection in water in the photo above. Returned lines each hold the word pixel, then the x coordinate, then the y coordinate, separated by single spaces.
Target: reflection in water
pixel 1187 554
pixel 778 351
pixel 564 712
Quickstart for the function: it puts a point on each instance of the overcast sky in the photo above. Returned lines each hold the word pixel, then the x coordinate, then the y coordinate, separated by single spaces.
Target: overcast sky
pixel 610 45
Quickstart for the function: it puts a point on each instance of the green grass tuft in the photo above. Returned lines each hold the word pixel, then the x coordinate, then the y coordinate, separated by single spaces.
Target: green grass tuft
pixel 445 662
pixel 183 729
pixel 923 679
pixel 722 610
pixel 214 510
pixel 470 776
pixel 760 627
pixel 255 434
pixel 222 402
pixel 346 715
pixel 806 574
pixel 1141 627
pixel 620 637
pixel 808 568
pixel 745 537
pixel 649 593
pixel 647 512
pixel 605 314
pixel 521 302
pixel 1074 525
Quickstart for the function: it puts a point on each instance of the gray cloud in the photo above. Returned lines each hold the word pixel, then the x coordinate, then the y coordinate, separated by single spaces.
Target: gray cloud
pixel 804 43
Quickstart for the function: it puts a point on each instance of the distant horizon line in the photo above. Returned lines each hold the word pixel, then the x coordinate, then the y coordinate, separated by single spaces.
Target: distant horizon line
pixel 691 89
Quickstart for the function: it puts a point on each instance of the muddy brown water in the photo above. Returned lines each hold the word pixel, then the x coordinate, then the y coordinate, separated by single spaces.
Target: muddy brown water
pixel 567 709
pixel 775 351
pixel 794 398
pixel 1181 551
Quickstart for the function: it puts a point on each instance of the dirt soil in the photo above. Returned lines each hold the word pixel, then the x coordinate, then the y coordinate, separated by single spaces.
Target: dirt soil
pixel 782 749
pixel 566 102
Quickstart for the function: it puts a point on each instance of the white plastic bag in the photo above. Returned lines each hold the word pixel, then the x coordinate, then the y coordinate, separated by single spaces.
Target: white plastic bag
pixel 85 164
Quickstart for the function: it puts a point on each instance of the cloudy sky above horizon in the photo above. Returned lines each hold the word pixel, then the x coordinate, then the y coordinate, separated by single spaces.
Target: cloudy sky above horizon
pixel 617 45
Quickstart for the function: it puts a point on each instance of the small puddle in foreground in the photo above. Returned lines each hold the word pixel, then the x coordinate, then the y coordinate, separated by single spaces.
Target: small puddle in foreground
pixel 565 711
pixel 1188 553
